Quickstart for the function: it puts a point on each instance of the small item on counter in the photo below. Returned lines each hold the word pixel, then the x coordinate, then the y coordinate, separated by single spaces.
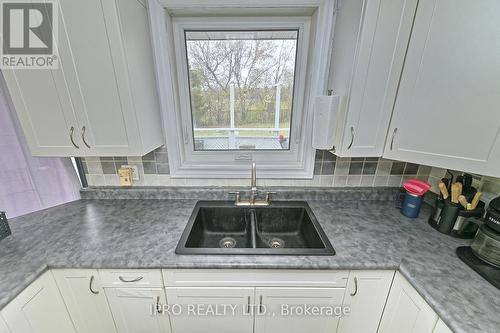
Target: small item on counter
pixel 492 218
pixel 413 198
pixel 4 226
pixel 444 189
pixel 126 176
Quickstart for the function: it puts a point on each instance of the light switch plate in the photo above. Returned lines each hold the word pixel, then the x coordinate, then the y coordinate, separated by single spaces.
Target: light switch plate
pixel 134 168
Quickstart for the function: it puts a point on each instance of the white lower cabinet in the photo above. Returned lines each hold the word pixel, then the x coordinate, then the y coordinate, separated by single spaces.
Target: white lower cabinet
pixel 283 310
pixel 38 309
pixel 365 295
pixel 137 310
pixel 441 327
pixel 3 326
pixel 211 310
pixel 406 311
pixel 85 299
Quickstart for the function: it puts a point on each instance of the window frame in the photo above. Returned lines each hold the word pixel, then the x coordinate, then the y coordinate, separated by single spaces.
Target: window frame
pixel 315 32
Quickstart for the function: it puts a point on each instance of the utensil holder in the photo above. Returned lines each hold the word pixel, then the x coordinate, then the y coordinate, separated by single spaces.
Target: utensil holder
pixel 452 219
pixel 4 226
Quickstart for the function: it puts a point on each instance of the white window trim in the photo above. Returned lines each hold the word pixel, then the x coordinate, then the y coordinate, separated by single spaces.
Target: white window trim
pixel 298 162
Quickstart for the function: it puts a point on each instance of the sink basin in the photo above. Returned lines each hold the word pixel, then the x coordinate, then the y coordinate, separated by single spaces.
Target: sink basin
pixel 220 227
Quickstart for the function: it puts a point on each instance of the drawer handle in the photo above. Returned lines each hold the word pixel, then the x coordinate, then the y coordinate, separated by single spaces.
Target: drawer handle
pixel 352 138
pixel 95 292
pixel 158 305
pixel 260 305
pixel 248 305
pixel 393 136
pixel 71 130
pixel 129 281
pixel 355 287
pixel 83 136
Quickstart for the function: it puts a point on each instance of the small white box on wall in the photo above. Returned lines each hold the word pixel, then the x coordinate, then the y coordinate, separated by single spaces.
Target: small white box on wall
pixel 326 111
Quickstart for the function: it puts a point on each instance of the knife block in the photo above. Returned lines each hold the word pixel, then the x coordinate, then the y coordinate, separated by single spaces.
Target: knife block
pixel 452 219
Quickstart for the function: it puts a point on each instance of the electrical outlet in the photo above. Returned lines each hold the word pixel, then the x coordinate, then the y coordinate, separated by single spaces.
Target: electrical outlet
pixel 134 169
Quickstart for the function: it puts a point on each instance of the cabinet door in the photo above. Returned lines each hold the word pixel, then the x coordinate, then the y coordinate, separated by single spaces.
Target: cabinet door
pixel 441 328
pixel 3 326
pixel 233 306
pixel 366 297
pixel 282 310
pixel 135 309
pixel 39 309
pixel 85 300
pixel 95 79
pixel 446 112
pixel 45 113
pixel 406 311
pixel 382 42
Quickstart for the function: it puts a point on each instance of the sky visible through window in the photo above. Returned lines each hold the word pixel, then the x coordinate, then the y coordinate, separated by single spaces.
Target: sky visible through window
pixel 241 88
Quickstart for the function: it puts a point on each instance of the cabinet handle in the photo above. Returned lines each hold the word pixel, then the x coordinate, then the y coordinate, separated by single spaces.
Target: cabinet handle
pixel 393 136
pixel 248 304
pixel 352 138
pixel 95 292
pixel 158 305
pixel 133 280
pixel 83 137
pixel 355 287
pixel 260 304
pixel 71 130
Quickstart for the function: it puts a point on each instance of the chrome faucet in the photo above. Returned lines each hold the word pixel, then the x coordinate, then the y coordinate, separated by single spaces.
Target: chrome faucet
pixel 253 194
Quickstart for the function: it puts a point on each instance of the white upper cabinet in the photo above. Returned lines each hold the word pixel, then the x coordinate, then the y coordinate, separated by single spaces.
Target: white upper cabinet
pixel 447 111
pixel 368 52
pixel 366 296
pixel 38 309
pixel 102 101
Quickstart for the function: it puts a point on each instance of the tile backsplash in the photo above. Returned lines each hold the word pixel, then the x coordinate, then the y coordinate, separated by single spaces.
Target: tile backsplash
pixel 329 171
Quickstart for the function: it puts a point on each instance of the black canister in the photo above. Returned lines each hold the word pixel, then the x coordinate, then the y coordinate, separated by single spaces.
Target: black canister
pixel 492 218
pixel 448 217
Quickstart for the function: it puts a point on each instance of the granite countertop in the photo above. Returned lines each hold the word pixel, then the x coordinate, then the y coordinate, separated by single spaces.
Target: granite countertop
pixel 143 233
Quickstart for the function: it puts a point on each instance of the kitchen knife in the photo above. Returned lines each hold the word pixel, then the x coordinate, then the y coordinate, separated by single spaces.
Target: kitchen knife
pixel 455 192
pixel 444 190
pixel 475 200
pixel 463 201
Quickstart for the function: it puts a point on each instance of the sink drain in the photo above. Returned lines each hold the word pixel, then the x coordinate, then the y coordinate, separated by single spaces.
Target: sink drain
pixel 276 243
pixel 227 242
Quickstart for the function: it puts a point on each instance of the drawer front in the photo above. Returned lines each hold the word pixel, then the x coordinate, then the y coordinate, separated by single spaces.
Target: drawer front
pixel 254 278
pixel 111 278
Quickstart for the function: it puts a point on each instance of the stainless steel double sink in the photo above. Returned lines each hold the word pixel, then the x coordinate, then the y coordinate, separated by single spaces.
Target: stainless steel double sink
pixel 282 228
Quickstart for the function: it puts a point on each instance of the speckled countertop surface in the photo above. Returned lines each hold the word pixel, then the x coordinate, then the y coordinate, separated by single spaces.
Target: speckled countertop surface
pixel 144 234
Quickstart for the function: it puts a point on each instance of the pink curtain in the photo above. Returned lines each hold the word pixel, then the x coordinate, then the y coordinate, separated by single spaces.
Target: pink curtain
pixel 27 183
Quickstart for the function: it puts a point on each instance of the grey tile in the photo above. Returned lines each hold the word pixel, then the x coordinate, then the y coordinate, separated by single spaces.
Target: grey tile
pixel 327 156
pixel 398 168
pixel 162 169
pixel 356 168
pixel 369 168
pixel 317 168
pixel 85 169
pixel 339 181
pixel 371 159
pixel 357 159
pixel 380 180
pixel 411 169
pixel 367 181
pixel 384 168
pixel 149 168
pixel 353 180
pixel 108 168
pixel 319 155
pixel 105 159
pixel 162 149
pixel 150 157
pixel 395 180
pixel 328 168
pixel 161 157
pixel 342 168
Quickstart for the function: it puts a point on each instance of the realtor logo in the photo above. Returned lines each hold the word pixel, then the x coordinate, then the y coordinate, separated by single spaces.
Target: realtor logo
pixel 29 30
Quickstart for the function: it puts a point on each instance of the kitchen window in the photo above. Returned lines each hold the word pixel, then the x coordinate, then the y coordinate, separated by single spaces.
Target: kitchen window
pixel 237 88
pixel 241 87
